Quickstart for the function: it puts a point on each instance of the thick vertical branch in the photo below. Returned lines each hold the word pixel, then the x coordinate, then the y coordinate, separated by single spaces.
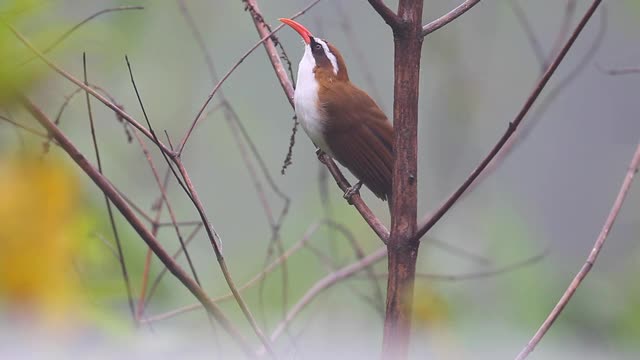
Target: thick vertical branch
pixel 402 247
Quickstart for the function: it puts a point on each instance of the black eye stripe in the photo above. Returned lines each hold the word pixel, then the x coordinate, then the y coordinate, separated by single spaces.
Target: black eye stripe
pixel 319 54
pixel 315 46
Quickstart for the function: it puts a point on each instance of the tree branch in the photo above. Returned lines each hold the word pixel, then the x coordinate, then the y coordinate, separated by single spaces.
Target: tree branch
pixel 90 90
pixel 108 189
pixel 375 223
pixel 448 17
pixel 621 71
pixel 270 47
pixel 591 259
pixel 325 283
pixel 217 248
pixel 114 228
pixel 432 219
pixel 68 33
pixel 390 17
pixel 402 245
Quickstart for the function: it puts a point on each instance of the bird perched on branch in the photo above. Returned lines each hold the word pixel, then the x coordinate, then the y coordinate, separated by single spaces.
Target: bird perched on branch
pixel 340 118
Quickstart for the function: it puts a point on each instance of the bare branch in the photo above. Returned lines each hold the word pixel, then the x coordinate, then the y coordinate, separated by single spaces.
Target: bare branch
pixel 391 18
pixel 376 225
pixel 485 273
pixel 521 16
pixel 163 193
pixel 428 222
pixel 273 56
pixel 78 25
pixel 24 127
pixel 114 229
pixel 270 47
pixel 128 214
pixel 88 89
pixel 253 281
pixel 355 46
pixel 565 27
pixel 217 248
pixel 156 282
pixel 621 71
pixel 551 94
pixel 325 283
pixel 448 17
pixel 591 259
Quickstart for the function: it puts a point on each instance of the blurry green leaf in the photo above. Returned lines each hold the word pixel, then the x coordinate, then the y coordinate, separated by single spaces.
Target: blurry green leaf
pixel 14 73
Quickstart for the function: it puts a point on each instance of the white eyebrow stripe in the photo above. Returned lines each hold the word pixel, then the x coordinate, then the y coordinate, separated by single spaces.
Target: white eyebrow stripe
pixel 332 58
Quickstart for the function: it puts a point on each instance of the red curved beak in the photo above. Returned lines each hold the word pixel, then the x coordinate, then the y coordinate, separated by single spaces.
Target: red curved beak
pixel 306 34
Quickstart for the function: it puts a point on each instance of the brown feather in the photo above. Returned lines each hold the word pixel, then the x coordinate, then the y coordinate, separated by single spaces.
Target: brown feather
pixel 356 130
pixel 358 133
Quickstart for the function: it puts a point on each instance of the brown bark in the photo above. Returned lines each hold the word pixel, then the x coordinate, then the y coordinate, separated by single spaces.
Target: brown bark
pixel 402 245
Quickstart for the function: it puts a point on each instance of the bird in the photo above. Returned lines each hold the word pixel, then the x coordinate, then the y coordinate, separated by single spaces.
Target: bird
pixel 341 119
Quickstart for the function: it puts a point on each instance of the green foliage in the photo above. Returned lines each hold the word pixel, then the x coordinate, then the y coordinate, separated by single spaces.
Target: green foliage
pixel 15 74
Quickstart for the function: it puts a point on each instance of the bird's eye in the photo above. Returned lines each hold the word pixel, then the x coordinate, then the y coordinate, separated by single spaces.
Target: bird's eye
pixel 317 46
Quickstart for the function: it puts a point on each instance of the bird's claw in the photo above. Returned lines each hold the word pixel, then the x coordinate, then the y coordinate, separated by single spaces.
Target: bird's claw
pixel 352 191
pixel 319 152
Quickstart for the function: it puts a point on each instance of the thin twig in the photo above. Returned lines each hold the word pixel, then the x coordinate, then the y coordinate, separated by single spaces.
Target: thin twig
pixel 117 109
pixel 378 295
pixel 129 215
pixel 355 46
pixel 24 127
pixel 163 192
pixel 562 84
pixel 78 25
pixel 448 17
pixel 114 229
pixel 591 259
pixel 458 251
pixel 154 231
pixel 565 27
pixel 551 94
pixel 431 220
pixel 166 156
pixel 356 200
pixel 253 281
pixel 331 265
pixel 521 16
pixel 214 239
pixel 135 207
pixel 325 283
pixel 484 273
pixel 621 71
pixel 156 282
pixel 181 223
pixel 266 37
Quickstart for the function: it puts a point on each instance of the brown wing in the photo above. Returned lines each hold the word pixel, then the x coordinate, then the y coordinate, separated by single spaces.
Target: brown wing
pixel 359 135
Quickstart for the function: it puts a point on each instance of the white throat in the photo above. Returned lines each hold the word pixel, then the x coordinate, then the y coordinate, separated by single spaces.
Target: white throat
pixel 308 108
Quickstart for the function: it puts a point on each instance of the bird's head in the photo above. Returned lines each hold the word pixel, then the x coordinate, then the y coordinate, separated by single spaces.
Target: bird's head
pixel 320 56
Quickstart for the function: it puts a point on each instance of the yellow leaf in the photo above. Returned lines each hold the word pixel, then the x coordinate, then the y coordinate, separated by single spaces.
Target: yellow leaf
pixel 39 214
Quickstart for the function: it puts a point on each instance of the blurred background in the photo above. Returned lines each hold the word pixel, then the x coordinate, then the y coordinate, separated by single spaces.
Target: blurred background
pixel 491 269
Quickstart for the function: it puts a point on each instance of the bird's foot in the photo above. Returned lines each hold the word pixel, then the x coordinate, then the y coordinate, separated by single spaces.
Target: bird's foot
pixel 319 152
pixel 355 189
